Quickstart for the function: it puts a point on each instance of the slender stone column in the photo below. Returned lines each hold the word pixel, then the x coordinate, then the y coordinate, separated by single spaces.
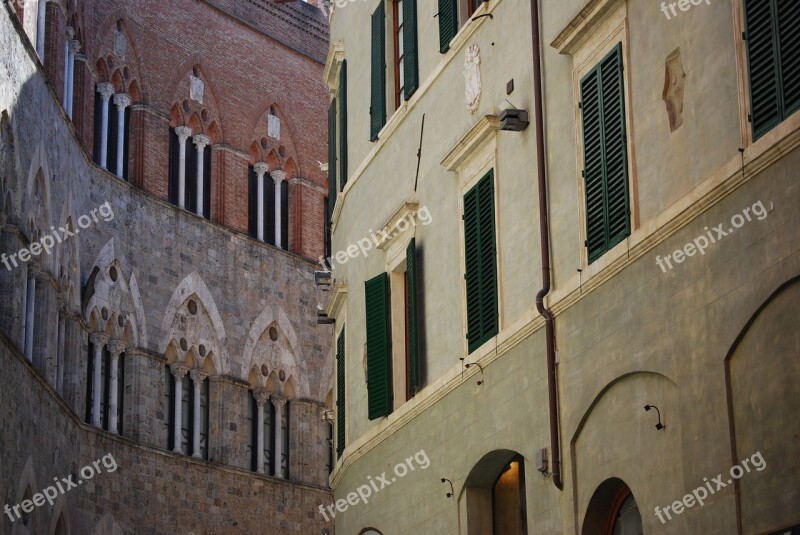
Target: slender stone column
pixel 105 90
pixel 41 17
pixel 74 47
pixel 184 133
pixel 116 348
pixel 201 142
pixel 279 403
pixel 278 177
pixel 178 371
pixel 70 34
pixel 197 378
pixel 98 341
pixel 60 348
pixel 260 396
pixel 122 101
pixel 30 308
pixel 261 169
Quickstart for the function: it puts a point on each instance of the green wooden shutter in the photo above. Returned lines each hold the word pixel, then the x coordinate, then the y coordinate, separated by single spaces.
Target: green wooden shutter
pixel 343 124
pixel 448 23
pixel 605 155
pixel 480 253
pixel 379 371
pixel 762 56
pixel 411 317
pixel 488 257
pixel 340 394
pixel 788 16
pixel 410 59
pixel 332 157
pixel 377 110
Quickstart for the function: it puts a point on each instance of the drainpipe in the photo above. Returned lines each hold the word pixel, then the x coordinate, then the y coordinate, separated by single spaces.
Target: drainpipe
pixel 544 230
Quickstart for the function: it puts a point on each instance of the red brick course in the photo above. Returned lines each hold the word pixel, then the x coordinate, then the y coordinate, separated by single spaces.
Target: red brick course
pixel 251 55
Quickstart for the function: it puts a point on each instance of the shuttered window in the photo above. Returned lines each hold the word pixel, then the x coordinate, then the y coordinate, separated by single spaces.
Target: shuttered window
pixel 379 364
pixel 377 109
pixel 480 254
pixel 605 157
pixel 448 23
pixel 340 394
pixel 332 162
pixel 773 53
pixel 343 124
pixel 410 59
pixel 412 326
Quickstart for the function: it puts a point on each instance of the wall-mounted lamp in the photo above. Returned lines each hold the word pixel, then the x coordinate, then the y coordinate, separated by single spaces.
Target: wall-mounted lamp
pixel 659 425
pixel 479 366
pixel 514 120
pixel 452 492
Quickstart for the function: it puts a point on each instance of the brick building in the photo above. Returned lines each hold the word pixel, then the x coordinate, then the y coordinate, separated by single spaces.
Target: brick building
pixel 161 209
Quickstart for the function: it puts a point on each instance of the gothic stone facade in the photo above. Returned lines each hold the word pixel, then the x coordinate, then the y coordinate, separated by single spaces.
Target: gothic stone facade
pixel 155 337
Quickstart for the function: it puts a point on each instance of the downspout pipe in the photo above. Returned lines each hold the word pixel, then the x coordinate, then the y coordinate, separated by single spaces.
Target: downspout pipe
pixel 544 230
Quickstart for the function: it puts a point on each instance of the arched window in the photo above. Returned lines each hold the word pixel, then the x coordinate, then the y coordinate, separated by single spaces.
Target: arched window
pixel 112 119
pixel 260 404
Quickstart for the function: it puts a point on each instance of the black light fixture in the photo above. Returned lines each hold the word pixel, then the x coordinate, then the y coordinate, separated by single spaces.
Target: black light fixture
pixel 514 120
pixel 659 425
pixel 452 492
pixel 479 366
pixel 323 278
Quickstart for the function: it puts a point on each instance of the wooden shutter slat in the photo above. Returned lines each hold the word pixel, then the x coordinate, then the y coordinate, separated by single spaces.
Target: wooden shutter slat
pixel 412 317
pixel 616 153
pixel 331 157
pixel 377 110
pixel 472 247
pixel 379 385
pixel 605 155
pixel 448 23
pixel 762 53
pixel 788 16
pixel 343 125
pixel 340 393
pixel 410 59
pixel 269 209
pixel 488 254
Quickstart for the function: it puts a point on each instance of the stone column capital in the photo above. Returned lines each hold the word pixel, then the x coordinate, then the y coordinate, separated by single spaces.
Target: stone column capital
pixel 261 169
pixel 201 141
pixel 178 370
pixel 278 176
pixel 260 395
pixel 98 339
pixel 106 90
pixel 278 402
pixel 184 133
pixel 327 415
pixel 122 100
pixel 116 347
pixel 198 376
pixel 74 45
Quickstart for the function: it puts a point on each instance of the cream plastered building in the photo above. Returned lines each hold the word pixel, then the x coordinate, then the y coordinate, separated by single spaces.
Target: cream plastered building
pixel 635 166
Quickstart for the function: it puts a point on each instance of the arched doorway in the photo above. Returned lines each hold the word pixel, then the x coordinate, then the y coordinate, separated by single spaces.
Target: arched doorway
pixel 613 511
pixel 495 495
